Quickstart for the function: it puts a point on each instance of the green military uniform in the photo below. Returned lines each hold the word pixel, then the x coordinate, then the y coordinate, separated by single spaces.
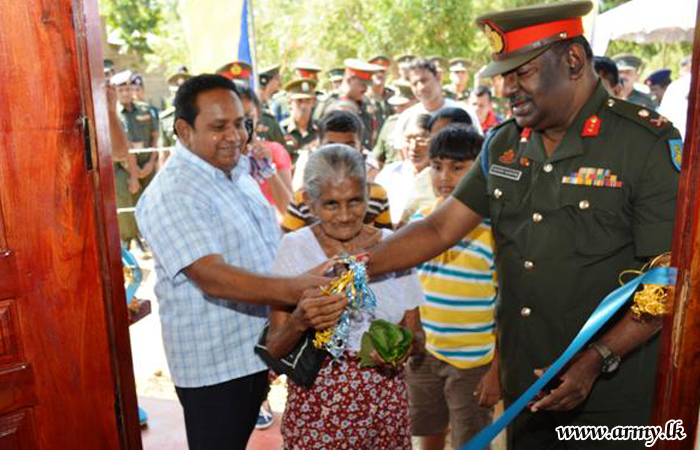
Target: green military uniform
pixel 138 123
pixel 565 226
pixel 269 129
pixel 449 92
pixel 296 139
pixel 167 130
pixel 366 114
pixel 383 150
pixel 561 243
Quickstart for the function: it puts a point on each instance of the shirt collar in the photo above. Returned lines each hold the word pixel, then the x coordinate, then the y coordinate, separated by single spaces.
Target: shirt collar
pixel 190 157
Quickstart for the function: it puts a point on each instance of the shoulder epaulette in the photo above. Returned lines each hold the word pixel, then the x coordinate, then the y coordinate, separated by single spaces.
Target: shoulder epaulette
pixel 649 119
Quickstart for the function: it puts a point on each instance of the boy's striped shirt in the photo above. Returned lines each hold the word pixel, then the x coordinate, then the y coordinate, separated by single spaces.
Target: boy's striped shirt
pixel 460 298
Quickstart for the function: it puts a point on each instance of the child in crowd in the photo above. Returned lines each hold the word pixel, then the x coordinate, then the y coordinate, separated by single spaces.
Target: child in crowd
pixel 339 127
pixel 454 384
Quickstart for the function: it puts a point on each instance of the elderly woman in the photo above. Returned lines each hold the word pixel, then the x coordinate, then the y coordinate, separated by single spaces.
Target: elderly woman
pixel 348 406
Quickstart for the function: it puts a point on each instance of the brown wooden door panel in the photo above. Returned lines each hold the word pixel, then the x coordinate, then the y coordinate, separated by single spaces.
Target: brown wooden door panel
pixel 59 370
pixel 17 431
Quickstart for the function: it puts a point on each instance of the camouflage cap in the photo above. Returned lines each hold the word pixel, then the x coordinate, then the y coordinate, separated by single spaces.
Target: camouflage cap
pixel 336 73
pixel 519 35
pixel 380 60
pixel 403 95
pixel 178 78
pixel 405 59
pixel 439 61
pixel 627 61
pixel 459 64
pixel 301 88
pixel 267 74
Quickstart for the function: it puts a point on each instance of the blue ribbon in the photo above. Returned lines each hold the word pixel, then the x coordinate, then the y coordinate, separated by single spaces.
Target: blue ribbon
pixel 128 260
pixel 605 310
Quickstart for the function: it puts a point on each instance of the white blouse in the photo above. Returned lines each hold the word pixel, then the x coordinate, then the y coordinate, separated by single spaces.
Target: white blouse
pixel 396 292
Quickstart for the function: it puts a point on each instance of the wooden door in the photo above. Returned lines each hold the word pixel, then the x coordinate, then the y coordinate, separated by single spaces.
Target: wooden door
pixel 66 379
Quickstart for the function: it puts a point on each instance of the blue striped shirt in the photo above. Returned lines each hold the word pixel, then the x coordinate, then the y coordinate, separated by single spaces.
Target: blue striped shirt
pixel 191 210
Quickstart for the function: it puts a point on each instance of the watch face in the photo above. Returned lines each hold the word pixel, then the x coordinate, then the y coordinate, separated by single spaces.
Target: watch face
pixel 611 364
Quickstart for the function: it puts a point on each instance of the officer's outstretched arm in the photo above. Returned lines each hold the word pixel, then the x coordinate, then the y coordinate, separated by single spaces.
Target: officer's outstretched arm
pixel 424 239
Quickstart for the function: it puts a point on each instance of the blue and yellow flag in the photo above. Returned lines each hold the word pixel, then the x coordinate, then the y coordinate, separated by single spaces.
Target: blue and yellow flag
pixel 217 33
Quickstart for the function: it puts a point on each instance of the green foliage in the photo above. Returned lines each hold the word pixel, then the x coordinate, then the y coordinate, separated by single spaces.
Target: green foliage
pixel 328 32
pixel 134 21
pixel 150 29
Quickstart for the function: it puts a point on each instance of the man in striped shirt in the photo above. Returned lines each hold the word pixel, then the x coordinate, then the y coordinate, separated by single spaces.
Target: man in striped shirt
pixel 339 127
pixel 456 381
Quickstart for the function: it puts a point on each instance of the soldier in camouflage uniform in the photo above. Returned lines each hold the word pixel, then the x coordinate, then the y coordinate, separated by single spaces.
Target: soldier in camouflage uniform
pixel 356 82
pixel 458 89
pixel 299 128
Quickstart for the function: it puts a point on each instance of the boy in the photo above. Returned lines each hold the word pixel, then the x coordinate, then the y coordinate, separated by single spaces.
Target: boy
pixel 455 382
pixel 338 127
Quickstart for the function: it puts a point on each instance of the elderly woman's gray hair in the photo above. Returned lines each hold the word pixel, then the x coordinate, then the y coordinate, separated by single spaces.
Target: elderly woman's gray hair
pixel 332 162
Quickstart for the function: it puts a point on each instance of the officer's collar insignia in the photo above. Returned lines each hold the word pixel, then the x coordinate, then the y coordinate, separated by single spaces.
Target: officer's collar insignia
pixel 507 157
pixel 643 113
pixel 496 39
pixel 676 148
pixel 591 176
pixel 591 127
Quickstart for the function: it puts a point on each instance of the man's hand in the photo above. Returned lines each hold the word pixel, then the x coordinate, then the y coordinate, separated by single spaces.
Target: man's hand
pixel 318 311
pixel 577 381
pixel 488 391
pixel 311 279
pixel 134 185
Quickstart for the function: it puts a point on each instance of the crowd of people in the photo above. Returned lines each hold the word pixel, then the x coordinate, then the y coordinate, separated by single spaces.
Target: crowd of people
pixel 495 218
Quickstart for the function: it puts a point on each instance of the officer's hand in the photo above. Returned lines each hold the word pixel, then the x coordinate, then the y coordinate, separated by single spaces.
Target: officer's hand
pixel 577 380
pixel 488 391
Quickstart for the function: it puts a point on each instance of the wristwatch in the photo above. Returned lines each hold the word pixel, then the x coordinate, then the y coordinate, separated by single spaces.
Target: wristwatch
pixel 611 361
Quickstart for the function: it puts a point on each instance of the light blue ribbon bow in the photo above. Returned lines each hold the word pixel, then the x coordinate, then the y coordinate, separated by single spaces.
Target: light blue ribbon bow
pixel 605 310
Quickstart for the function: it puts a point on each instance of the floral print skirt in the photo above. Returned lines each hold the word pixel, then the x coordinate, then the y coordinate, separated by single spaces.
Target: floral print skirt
pixel 348 408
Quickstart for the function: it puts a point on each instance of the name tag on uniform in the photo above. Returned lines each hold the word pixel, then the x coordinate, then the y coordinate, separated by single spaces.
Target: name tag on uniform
pixel 143 117
pixel 505 172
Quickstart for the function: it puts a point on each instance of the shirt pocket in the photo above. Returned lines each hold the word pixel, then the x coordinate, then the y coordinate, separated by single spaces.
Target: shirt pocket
pixel 505 203
pixel 601 218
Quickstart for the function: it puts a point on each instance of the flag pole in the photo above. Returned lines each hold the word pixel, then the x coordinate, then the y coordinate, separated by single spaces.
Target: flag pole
pixel 253 45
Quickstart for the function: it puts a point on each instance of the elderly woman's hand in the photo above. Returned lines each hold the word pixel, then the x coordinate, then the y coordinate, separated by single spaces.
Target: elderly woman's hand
pixel 319 311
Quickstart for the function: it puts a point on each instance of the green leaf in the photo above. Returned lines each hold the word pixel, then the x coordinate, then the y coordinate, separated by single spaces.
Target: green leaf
pixel 366 349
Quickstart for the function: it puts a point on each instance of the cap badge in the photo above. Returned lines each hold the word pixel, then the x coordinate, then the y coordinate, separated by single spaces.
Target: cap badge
pixel 236 69
pixel 495 38
pixel 305 87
